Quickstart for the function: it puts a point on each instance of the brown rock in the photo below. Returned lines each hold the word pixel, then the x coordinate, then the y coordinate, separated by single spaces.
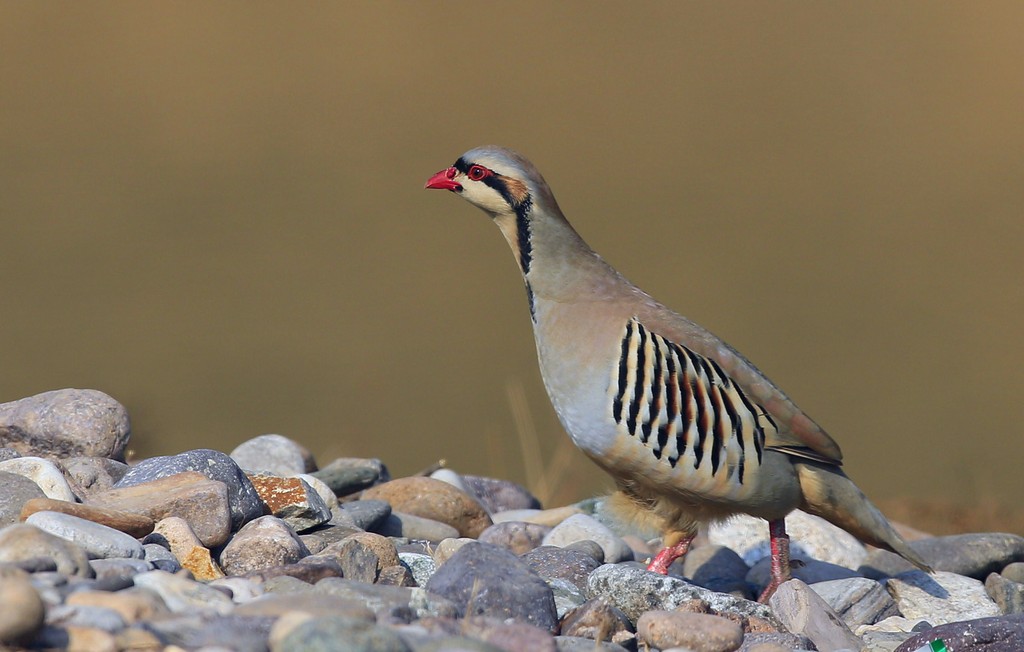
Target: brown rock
pixel 433 499
pixel 188 549
pixel 136 525
pixel 137 640
pixel 396 576
pixel 697 632
pixel 291 499
pixel 517 536
pixel 23 611
pixel 600 621
pixel 190 495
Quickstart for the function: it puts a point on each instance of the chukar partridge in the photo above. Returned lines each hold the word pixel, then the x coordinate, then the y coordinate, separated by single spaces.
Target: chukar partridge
pixel 690 430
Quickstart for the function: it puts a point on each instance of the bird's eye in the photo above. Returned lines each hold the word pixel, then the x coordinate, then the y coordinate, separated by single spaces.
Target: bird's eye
pixel 478 172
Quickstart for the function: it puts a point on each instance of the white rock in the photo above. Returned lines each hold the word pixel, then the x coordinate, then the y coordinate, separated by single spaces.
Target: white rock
pixel 580 527
pixel 44 473
pixel 810 536
pixel 941 597
pixel 97 540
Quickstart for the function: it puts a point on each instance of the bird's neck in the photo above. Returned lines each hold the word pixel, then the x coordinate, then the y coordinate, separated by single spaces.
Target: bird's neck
pixel 556 263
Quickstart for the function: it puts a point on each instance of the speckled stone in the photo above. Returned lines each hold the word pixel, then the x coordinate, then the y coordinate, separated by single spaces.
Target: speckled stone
pixel 940 597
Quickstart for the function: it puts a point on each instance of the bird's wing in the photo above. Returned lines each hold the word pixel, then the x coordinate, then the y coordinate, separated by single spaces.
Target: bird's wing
pixel 794 433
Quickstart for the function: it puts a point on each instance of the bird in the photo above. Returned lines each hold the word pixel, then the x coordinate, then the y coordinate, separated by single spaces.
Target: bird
pixel 690 431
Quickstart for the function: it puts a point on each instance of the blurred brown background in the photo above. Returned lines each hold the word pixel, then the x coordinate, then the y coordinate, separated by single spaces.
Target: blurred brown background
pixel 214 212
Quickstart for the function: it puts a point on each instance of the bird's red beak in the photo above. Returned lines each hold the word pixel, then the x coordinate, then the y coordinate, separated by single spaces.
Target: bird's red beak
pixel 444 180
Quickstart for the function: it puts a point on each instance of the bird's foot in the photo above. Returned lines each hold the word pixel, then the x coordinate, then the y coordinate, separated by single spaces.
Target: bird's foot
pixel 669 554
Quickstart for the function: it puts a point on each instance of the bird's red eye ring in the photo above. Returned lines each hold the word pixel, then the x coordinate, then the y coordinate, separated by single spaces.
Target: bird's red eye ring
pixel 478 172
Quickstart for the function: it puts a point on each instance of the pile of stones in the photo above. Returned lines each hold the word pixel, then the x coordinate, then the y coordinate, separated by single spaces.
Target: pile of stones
pixel 264 549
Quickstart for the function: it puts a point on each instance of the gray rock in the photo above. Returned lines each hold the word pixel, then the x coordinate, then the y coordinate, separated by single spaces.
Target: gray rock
pixel 516 536
pixel 44 473
pixel 810 538
pixel 160 558
pixel 567 596
pixel 391 603
pixel 635 590
pixel 69 615
pixel 210 631
pixel 119 570
pixel 245 503
pixel 183 595
pixel 23 542
pixel 421 566
pixel 347 475
pixel 17 490
pixel 323 537
pixel 399 524
pixel 336 633
pixel 262 543
pixel 1009 595
pixel 692 631
pixel 717 568
pixel 500 495
pixel 273 454
pixel 940 597
pixel 487 580
pixel 23 610
pixel 66 423
pixel 580 527
pixel 998 634
pixel 857 600
pixel 973 555
pixel 87 475
pixel 366 514
pixel 8 453
pixel 98 541
pixel 551 563
pixel 804 612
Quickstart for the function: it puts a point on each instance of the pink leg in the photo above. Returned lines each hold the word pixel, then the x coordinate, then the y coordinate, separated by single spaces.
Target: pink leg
pixel 780 558
pixel 664 559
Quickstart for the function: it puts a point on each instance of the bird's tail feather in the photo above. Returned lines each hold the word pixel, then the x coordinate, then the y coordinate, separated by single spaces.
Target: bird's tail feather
pixel 828 493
